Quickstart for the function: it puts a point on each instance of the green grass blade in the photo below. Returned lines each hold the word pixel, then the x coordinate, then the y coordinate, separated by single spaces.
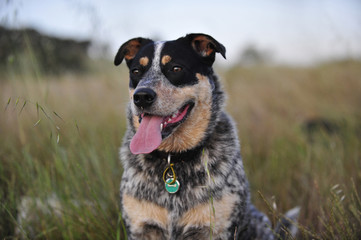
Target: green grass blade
pixel 7 105
pixel 58 115
pixel 77 127
pixel 37 109
pixel 16 102
pixel 23 232
pixel 37 123
pixel 25 102
pixel 42 109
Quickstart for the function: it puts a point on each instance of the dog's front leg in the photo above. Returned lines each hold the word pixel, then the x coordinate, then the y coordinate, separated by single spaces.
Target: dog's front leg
pixel 144 219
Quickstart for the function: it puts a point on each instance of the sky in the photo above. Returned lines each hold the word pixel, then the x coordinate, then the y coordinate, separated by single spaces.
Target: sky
pixel 292 31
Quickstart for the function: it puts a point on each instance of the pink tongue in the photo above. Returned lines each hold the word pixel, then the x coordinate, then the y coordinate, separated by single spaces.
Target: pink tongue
pixel 148 137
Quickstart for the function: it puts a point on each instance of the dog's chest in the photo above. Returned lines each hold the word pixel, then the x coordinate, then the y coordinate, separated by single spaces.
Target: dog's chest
pixel 149 207
pixel 146 179
pixel 201 220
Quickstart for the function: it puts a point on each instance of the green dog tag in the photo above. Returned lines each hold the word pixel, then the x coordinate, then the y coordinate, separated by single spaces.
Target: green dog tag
pixel 172 188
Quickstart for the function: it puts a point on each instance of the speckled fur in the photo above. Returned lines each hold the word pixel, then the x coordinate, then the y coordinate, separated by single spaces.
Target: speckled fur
pixel 213 201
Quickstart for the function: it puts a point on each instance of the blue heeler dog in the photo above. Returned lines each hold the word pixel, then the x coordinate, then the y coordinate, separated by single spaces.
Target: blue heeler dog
pixel 183 173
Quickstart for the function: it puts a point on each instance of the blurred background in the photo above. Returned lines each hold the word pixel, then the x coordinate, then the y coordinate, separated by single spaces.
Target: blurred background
pixel 286 32
pixel 293 79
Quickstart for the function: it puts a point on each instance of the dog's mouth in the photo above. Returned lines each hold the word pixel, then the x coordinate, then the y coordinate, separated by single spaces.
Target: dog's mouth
pixel 153 129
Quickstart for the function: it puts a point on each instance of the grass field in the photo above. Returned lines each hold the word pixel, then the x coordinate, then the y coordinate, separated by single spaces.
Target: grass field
pixel 59 140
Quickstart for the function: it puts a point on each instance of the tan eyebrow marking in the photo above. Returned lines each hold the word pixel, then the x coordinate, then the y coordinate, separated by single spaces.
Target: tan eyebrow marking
pixel 144 61
pixel 166 59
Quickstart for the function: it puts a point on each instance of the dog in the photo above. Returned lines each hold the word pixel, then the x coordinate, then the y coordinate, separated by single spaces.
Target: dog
pixel 183 172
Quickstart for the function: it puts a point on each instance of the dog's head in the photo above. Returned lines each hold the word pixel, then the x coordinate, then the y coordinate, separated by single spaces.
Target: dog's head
pixel 171 86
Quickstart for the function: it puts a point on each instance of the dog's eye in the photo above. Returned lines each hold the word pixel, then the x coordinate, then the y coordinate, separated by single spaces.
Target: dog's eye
pixel 135 71
pixel 176 69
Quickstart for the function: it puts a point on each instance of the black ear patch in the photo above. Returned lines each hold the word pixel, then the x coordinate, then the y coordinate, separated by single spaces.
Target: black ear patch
pixel 205 45
pixel 129 49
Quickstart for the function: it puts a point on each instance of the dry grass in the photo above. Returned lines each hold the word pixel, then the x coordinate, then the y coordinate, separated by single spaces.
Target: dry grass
pixel 285 162
pixel 72 153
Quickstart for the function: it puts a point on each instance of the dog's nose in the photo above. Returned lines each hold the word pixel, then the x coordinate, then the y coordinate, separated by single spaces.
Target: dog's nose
pixel 144 97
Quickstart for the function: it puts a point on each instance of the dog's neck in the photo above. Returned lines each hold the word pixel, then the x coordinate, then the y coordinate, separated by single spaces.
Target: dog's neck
pixel 188 155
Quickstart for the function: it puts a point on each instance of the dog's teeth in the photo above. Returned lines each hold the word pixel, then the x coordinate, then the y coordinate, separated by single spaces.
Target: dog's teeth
pixel 174 115
pixel 161 126
pixel 170 119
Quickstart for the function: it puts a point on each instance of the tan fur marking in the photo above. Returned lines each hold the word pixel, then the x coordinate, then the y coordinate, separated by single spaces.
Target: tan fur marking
pixel 166 59
pixel 131 93
pixel 202 215
pixel 141 212
pixel 202 47
pixel 136 122
pixel 201 77
pixel 192 131
pixel 132 49
pixel 144 61
pixel 135 118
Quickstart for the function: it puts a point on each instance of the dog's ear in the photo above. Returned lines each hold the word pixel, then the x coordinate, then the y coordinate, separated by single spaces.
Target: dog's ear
pixel 129 49
pixel 206 46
